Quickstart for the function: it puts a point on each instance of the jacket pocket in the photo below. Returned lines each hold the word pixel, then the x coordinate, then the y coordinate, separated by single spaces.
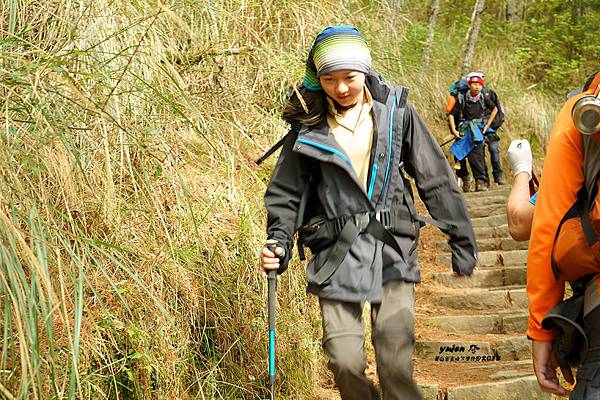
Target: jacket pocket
pixel 318 261
pixel 317 234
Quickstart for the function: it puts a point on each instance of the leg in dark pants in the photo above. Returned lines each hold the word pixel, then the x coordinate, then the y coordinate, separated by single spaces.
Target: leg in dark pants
pixel 477 162
pixel 394 341
pixel 343 342
pixel 475 158
pixel 463 173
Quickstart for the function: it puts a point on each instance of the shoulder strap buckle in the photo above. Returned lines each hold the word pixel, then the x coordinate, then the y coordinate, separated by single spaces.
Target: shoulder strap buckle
pixel 361 221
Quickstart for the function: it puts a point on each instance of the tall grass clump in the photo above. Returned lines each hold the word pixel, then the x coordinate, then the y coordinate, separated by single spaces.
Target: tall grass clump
pixel 130 207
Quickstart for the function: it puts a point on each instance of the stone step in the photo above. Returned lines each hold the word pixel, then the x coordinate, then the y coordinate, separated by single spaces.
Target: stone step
pixel 487 210
pixel 489 199
pixel 496 191
pixel 484 278
pixel 430 391
pixel 484 258
pixel 485 299
pixel 491 258
pixel 488 244
pixel 514 348
pixel 513 257
pixel 499 323
pixel 511 244
pixel 484 232
pixel 511 348
pixel 511 389
pixel 493 220
pixel 481 380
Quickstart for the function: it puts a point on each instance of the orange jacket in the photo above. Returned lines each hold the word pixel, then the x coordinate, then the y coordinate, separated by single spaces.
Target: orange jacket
pixel 562 177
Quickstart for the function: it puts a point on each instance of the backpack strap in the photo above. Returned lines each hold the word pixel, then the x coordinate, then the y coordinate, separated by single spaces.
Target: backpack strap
pixel 591 166
pixel 578 209
pixel 352 226
pixel 482 102
pixel 293 131
pixel 461 108
pixel 397 119
pixel 592 298
pixel 300 217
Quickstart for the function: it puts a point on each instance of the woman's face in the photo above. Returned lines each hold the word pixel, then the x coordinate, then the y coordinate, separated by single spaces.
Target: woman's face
pixel 346 87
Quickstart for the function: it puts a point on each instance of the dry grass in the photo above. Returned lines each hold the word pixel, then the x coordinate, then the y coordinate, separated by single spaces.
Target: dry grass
pixel 130 207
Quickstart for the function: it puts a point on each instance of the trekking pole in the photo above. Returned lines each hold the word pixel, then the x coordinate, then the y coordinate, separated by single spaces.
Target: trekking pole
pixel 271 244
pixel 447 140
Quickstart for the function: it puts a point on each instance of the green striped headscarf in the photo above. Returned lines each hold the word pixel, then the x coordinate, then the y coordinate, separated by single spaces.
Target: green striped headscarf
pixel 336 48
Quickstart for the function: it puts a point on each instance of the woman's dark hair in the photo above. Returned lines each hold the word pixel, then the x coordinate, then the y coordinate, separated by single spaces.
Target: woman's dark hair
pixel 305 107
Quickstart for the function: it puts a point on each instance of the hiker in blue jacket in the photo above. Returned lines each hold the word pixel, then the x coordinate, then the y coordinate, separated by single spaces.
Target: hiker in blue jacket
pixel 340 181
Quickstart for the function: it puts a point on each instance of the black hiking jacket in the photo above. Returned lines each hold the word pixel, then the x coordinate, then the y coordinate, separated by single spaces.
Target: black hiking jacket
pixel 401 141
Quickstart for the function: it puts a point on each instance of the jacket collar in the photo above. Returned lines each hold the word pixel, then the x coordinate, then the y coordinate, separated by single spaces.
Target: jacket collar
pixel 380 91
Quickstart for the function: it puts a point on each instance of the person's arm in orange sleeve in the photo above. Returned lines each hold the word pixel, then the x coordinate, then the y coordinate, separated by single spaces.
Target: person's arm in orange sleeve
pixel 562 177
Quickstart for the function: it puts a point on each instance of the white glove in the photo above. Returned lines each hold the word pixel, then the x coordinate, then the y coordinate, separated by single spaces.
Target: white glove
pixel 519 155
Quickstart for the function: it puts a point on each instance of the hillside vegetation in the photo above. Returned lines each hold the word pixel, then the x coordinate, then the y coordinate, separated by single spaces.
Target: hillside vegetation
pixel 131 208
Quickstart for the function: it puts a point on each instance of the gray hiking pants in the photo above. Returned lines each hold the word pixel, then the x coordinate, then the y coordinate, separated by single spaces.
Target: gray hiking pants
pixel 393 337
pixel 588 375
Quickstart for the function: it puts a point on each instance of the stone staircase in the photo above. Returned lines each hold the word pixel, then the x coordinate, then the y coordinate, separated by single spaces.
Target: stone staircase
pixel 471 342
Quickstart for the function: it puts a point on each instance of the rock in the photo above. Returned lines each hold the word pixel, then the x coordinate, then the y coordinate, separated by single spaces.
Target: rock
pixel 525 388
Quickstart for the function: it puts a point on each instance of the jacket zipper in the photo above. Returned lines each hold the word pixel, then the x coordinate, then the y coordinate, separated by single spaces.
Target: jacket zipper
pixel 372 183
pixel 390 142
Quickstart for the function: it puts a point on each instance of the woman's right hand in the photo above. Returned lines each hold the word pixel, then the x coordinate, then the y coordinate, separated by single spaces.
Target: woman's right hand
pixel 270 260
pixel 456 134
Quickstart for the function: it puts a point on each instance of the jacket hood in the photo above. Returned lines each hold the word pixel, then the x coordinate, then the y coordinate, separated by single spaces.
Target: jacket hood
pixel 380 90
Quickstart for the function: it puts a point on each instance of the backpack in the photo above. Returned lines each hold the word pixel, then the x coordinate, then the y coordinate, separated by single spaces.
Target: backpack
pixel 576 247
pixel 499 118
pixel 459 89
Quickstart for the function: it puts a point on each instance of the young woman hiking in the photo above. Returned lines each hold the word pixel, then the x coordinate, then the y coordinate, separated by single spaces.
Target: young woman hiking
pixel 352 139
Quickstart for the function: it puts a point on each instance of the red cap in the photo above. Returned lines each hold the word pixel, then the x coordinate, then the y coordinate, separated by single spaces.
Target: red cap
pixel 475 78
